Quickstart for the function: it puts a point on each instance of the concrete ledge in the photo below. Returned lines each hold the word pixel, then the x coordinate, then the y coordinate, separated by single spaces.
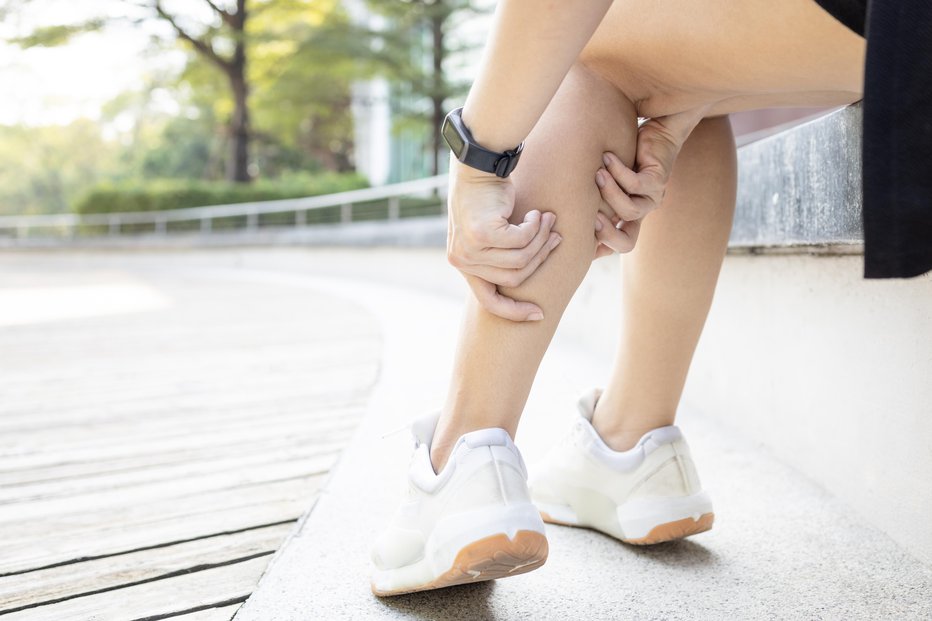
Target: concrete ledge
pixel 802 187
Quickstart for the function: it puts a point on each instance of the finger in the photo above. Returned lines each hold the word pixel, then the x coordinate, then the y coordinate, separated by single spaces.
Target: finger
pixel 624 176
pixel 650 180
pixel 517 235
pixel 517 258
pixel 601 250
pixel 514 277
pixel 620 240
pixel 494 302
pixel 617 199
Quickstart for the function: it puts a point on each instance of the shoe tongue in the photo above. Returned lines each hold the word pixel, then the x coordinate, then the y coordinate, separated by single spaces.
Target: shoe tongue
pixel 423 428
pixel 587 403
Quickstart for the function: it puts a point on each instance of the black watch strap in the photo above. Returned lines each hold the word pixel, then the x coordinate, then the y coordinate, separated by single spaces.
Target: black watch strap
pixel 468 152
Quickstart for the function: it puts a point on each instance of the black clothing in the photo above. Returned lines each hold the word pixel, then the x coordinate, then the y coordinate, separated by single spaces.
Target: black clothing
pixel 897 137
pixel 851 13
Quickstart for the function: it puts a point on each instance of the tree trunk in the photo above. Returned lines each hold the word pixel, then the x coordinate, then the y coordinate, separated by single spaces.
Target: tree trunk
pixel 238 164
pixel 438 97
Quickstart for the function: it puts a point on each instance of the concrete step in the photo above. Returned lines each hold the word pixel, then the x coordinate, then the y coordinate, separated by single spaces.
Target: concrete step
pixel 782 548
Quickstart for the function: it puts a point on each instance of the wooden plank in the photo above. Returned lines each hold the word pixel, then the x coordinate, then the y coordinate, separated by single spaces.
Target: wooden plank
pixel 60 540
pixel 228 583
pixel 163 398
pixel 295 344
pixel 104 500
pixel 89 526
pixel 151 384
pixel 334 429
pixel 76 486
pixel 320 403
pixel 153 427
pixel 155 435
pixel 131 463
pixel 68 581
pixel 224 613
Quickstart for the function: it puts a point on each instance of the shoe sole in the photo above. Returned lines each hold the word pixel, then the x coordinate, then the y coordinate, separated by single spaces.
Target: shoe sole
pixel 670 531
pixel 489 558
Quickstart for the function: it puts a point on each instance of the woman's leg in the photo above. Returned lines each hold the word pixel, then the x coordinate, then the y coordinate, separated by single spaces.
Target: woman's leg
pixel 667 286
pixel 653 59
pixel 496 360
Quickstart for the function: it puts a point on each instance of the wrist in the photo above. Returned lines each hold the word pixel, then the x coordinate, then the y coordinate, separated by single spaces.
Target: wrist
pixel 466 173
pixel 488 137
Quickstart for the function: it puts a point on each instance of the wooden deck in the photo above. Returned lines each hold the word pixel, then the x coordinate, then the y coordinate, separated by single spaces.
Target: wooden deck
pixel 160 433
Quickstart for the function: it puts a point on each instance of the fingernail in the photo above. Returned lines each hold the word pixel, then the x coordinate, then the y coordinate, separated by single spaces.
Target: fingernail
pixel 555 241
pixel 599 179
pixel 606 159
pixel 598 224
pixel 535 316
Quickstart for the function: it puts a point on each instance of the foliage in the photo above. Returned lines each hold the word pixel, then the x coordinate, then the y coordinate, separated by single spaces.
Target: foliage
pixel 272 92
pixel 164 194
pixel 303 57
pixel 42 168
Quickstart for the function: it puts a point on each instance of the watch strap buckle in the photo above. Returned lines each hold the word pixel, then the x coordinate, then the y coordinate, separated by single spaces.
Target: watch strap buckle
pixel 506 164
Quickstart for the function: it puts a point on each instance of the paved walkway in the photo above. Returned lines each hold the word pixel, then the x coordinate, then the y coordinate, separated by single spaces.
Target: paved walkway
pixel 161 430
pixel 781 548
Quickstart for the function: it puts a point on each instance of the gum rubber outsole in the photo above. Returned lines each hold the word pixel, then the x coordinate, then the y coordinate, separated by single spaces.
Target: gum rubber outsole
pixel 489 558
pixel 661 533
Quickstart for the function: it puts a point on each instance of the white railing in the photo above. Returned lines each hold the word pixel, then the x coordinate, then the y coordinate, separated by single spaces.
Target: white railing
pixel 114 224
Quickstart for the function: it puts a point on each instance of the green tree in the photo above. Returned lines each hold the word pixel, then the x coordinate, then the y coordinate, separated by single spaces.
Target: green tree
pixel 43 168
pixel 241 33
pixel 418 51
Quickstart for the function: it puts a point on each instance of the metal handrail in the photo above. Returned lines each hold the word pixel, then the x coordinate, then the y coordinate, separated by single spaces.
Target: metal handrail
pixel 345 200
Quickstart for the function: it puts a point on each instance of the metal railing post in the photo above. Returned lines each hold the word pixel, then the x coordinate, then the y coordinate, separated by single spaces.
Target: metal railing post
pixel 113 227
pixel 252 221
pixel 160 226
pixel 346 213
pixel 206 225
pixel 300 217
pixel 394 208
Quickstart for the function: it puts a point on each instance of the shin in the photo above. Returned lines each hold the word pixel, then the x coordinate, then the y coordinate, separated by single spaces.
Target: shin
pixel 668 282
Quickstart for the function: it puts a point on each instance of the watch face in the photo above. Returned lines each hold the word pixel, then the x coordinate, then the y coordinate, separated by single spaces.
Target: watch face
pixel 453 138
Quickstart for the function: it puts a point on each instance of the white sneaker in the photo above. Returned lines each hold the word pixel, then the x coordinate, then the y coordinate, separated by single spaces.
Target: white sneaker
pixel 648 494
pixel 473 521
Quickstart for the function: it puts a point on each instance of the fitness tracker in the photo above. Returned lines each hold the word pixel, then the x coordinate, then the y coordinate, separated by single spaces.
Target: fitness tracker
pixel 468 152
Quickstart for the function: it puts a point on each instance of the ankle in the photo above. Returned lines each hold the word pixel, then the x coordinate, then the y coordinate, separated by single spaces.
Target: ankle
pixel 442 444
pixel 620 429
pixel 620 439
pixel 439 455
